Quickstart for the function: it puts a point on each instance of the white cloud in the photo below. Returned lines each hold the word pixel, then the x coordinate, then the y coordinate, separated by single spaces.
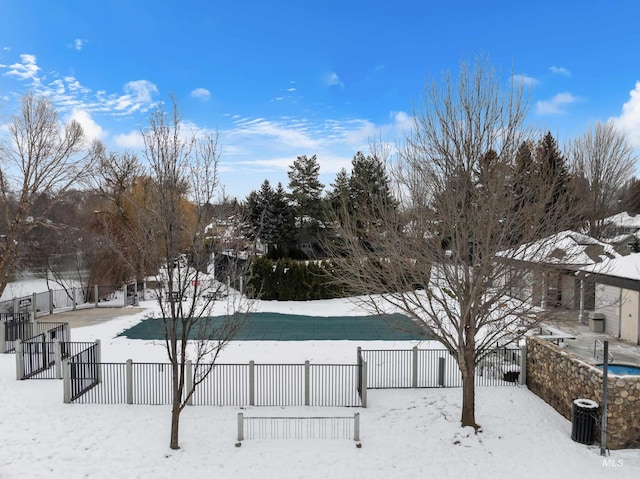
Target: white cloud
pixel 77 44
pixel 201 93
pixel 67 93
pixel 280 132
pixel 27 70
pixel 332 79
pixel 141 90
pixel 560 71
pixel 91 129
pixel 524 80
pixel 629 120
pixel 291 89
pixel 557 104
pixel 403 121
pixel 132 140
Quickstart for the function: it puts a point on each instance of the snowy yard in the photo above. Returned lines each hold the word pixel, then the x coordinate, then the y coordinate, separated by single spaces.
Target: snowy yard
pixel 404 433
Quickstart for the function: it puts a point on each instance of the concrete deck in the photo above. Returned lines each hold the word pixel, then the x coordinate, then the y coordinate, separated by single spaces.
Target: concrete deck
pixel 90 316
pixel 621 352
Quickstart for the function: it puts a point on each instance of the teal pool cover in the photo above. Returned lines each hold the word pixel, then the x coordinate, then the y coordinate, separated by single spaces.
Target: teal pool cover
pixel 289 327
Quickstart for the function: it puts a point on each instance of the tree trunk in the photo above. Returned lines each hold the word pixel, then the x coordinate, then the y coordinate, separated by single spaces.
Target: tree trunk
pixel 175 426
pixel 468 390
pixel 176 400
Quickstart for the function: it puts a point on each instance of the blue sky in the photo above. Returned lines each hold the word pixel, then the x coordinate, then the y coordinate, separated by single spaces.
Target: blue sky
pixel 286 78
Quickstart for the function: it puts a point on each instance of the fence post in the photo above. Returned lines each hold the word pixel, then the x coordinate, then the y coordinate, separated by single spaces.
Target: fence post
pixel 240 427
pixel 3 338
pixel 66 332
pixel 129 374
pixel 57 357
pixel 363 389
pixel 16 305
pixel 441 369
pixel 74 297
pixel 523 364
pixel 356 426
pixel 252 382
pixel 50 301
pixel 124 295
pixel 359 353
pixel 34 308
pixel 19 359
pixel 307 386
pixel 66 381
pixel 189 373
pixel 95 295
pixel 98 360
pixel 135 293
pixel 414 370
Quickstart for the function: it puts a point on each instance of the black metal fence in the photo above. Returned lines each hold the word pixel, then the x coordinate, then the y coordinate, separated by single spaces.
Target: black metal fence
pixel 281 427
pixel 40 358
pixel 22 328
pixel 83 371
pixel 225 384
pixel 426 368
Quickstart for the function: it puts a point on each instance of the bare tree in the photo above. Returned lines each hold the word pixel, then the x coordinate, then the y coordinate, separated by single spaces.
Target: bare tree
pixel 445 256
pixel 184 173
pixel 40 158
pixel 604 160
pixel 120 224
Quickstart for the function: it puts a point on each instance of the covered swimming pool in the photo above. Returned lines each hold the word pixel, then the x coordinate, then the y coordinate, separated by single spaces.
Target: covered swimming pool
pixel 290 327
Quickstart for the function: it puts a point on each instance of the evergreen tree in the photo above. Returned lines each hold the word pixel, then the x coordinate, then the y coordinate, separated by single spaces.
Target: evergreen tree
pixel 282 218
pixel 306 189
pixel 339 195
pixel 553 170
pixel 257 213
pixel 630 200
pixel 369 186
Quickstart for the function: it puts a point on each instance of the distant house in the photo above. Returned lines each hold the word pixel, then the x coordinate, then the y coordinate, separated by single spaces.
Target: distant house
pixel 617 295
pixel 623 232
pixel 226 235
pixel 555 262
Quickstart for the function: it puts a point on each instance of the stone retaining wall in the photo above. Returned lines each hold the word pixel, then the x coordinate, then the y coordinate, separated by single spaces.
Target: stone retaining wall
pixel 559 376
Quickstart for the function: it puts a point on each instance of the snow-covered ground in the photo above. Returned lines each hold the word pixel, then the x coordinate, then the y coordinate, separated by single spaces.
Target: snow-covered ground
pixel 404 433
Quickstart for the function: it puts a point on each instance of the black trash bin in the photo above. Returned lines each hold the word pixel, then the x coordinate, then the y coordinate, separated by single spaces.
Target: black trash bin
pixel 583 420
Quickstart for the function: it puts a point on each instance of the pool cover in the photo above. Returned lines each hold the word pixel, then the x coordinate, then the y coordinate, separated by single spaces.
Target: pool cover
pixel 288 327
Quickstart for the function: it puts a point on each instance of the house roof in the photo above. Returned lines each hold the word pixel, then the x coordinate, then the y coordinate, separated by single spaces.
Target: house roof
pixel 565 248
pixel 624 219
pixel 627 267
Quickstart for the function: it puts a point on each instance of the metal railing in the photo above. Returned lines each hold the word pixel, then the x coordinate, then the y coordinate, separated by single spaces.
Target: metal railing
pixel 280 427
pixel 426 368
pixel 227 384
pixel 47 302
pixel 23 329
pixel 38 358
pixel 595 351
pixel 81 373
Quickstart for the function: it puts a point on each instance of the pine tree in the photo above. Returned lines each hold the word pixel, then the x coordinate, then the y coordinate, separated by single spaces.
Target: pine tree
pixel 369 186
pixel 630 201
pixel 553 170
pixel 257 213
pixel 306 189
pixel 282 218
pixel 338 197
